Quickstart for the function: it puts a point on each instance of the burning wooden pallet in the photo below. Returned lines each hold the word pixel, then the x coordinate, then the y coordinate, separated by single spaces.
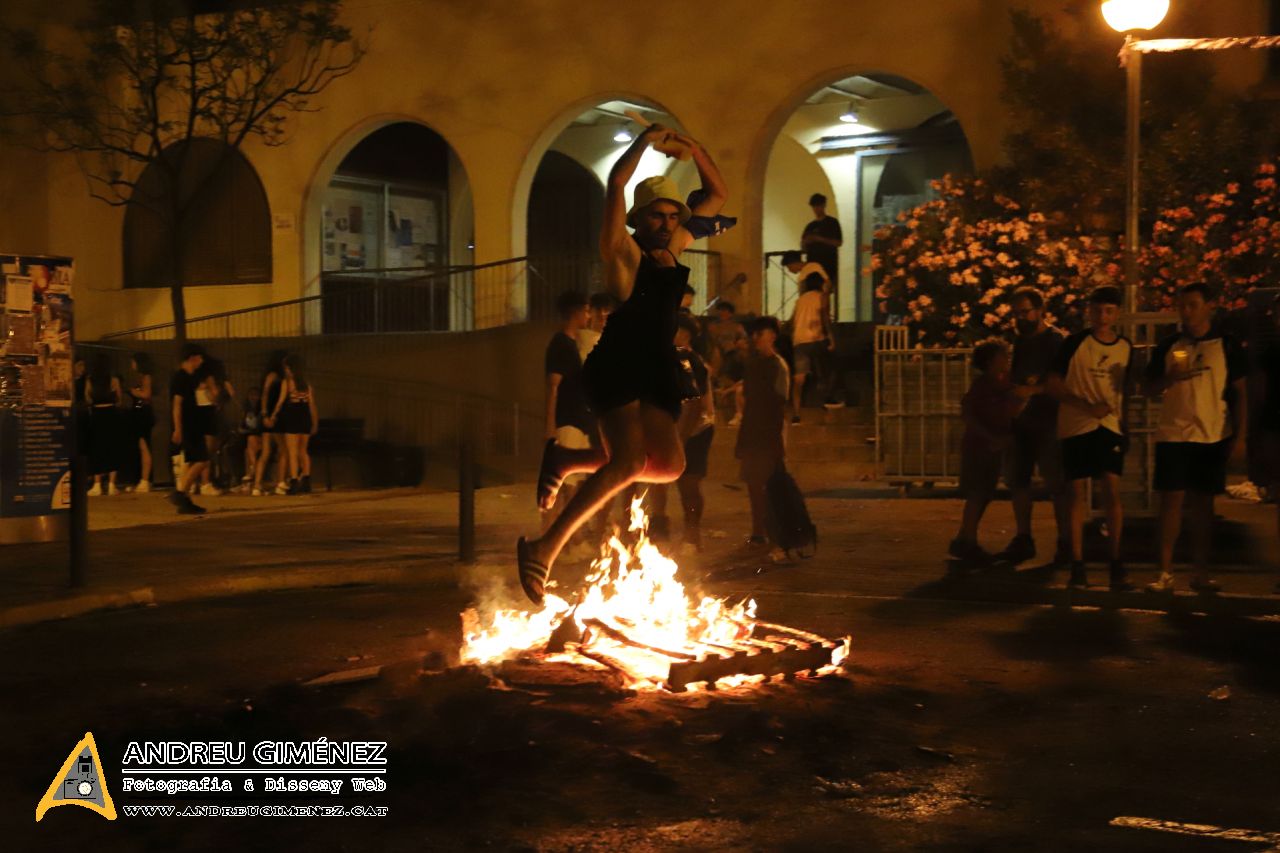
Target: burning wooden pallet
pixel 634 618
pixel 768 651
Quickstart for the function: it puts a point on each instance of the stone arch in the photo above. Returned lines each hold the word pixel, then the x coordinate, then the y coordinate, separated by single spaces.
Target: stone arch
pixel 449 212
pixel 919 125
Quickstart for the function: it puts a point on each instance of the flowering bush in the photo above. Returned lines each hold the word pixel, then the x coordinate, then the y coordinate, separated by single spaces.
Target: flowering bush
pixel 1229 240
pixel 949 266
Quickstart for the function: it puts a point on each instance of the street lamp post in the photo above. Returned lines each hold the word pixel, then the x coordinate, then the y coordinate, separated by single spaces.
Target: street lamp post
pixel 1129 17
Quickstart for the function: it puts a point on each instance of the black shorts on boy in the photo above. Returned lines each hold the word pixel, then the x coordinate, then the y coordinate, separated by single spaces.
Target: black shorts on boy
pixel 1192 466
pixel 1093 454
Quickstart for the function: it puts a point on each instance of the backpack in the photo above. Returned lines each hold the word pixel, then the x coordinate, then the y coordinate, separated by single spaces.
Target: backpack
pixel 789 524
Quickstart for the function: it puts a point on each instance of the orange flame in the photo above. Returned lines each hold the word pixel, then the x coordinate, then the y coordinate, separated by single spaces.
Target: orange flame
pixel 633 616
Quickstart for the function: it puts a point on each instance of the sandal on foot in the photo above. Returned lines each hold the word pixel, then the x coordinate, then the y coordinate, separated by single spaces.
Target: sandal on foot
pixel 549 480
pixel 533 574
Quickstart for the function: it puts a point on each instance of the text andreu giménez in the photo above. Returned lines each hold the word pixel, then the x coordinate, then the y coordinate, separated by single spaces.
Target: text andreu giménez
pixel 266 753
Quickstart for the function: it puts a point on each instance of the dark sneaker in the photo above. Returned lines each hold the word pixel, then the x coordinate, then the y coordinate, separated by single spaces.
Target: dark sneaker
pixel 1120 578
pixel 1205 585
pixel 1079 578
pixel 184 504
pixel 969 552
pixel 305 485
pixel 1020 549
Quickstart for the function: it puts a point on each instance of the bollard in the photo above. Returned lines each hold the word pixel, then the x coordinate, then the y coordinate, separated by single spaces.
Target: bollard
pixel 78 538
pixel 466 501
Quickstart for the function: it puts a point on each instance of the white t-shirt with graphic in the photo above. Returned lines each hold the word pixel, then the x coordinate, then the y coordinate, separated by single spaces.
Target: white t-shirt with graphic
pixel 1195 408
pixel 1096 372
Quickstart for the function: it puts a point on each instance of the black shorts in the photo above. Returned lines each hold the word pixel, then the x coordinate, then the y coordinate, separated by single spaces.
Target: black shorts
pixel 1093 454
pixel 194 448
pixel 1191 466
pixel 980 472
pixel 696 451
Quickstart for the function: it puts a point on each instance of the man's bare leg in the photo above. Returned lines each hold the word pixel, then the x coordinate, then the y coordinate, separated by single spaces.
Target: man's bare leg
pixel 642 445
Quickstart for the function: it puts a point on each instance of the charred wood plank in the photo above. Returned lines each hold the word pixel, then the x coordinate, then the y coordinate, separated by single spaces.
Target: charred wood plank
pixel 765 663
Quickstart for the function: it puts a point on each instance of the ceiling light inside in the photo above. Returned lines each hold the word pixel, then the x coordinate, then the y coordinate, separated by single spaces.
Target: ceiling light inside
pixel 623 135
pixel 850 116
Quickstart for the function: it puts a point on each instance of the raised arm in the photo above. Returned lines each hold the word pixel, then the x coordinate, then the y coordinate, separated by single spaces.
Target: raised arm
pixel 614 239
pixel 713 186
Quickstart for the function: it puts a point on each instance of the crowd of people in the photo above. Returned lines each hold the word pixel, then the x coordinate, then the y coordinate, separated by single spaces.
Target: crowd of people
pixel 1058 404
pixel 219 441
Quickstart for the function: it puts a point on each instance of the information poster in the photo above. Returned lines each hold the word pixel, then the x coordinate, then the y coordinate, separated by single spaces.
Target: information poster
pixel 36 385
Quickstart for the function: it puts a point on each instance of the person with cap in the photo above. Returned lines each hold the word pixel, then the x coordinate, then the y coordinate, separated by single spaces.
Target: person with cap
pixel 822 238
pixel 633 377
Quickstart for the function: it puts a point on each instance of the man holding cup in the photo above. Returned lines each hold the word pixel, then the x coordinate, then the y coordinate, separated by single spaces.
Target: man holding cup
pixel 1201 374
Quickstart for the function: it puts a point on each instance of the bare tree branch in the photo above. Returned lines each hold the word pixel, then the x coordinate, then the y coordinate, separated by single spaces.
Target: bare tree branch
pixel 144 79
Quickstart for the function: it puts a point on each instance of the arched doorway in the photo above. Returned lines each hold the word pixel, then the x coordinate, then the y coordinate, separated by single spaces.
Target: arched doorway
pixel 565 198
pixel 566 205
pixel 872 143
pixel 393 218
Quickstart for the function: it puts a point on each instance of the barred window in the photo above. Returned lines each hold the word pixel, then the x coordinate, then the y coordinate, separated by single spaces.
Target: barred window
pixel 225 233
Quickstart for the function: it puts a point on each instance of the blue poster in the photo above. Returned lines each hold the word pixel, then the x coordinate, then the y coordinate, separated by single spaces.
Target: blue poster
pixel 37 385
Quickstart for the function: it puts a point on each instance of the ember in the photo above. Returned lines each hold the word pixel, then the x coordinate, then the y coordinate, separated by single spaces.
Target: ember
pixel 634 617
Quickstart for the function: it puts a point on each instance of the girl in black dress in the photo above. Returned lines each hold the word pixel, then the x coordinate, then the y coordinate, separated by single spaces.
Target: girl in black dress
pixel 298 421
pixel 106 428
pixel 142 415
pixel 273 379
pixel 634 379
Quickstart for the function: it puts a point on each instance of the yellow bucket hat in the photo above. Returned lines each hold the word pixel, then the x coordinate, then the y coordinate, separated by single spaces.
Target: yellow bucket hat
pixel 657 188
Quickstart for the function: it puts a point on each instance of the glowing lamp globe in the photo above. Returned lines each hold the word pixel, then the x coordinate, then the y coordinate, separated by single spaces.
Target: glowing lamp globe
pixel 1126 16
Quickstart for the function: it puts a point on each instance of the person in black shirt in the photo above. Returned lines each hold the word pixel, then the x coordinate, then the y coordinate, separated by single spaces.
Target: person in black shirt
pixel 697 428
pixel 1035 430
pixel 822 238
pixel 570 426
pixel 188 434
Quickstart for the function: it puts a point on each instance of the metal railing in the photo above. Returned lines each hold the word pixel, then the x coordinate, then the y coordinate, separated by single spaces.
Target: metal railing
pixel 380 301
pixel 918 420
pixel 419 299
pixel 779 288
pixel 553 274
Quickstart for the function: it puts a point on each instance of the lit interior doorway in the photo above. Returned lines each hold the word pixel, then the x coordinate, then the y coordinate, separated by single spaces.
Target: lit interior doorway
pixel 395 219
pixel 566 201
pixel 872 144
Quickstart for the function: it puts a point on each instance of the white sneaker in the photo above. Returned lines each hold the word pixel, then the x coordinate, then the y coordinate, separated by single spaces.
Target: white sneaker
pixel 95 491
pixel 143 486
pixel 112 490
pixel 194 489
pixel 282 489
pixel 210 490
pixel 1164 583
pixel 257 493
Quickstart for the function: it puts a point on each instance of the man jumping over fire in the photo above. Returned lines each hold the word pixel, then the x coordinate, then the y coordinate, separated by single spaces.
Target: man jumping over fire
pixel 634 379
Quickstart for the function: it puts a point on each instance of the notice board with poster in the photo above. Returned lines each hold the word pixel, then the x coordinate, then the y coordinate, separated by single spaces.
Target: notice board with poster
pixel 36 385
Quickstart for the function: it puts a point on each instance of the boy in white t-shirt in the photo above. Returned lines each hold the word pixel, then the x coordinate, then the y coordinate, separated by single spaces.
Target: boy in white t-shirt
pixel 1201 375
pixel 1090 379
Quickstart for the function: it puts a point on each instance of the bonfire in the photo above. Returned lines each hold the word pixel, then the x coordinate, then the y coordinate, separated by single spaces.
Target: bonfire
pixel 634 617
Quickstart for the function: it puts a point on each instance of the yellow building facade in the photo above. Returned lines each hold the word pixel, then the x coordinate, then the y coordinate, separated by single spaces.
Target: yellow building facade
pixel 502 83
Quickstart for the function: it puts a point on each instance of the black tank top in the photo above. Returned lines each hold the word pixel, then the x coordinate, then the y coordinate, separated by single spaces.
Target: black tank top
pixel 650 313
pixel 101 396
pixel 273 396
